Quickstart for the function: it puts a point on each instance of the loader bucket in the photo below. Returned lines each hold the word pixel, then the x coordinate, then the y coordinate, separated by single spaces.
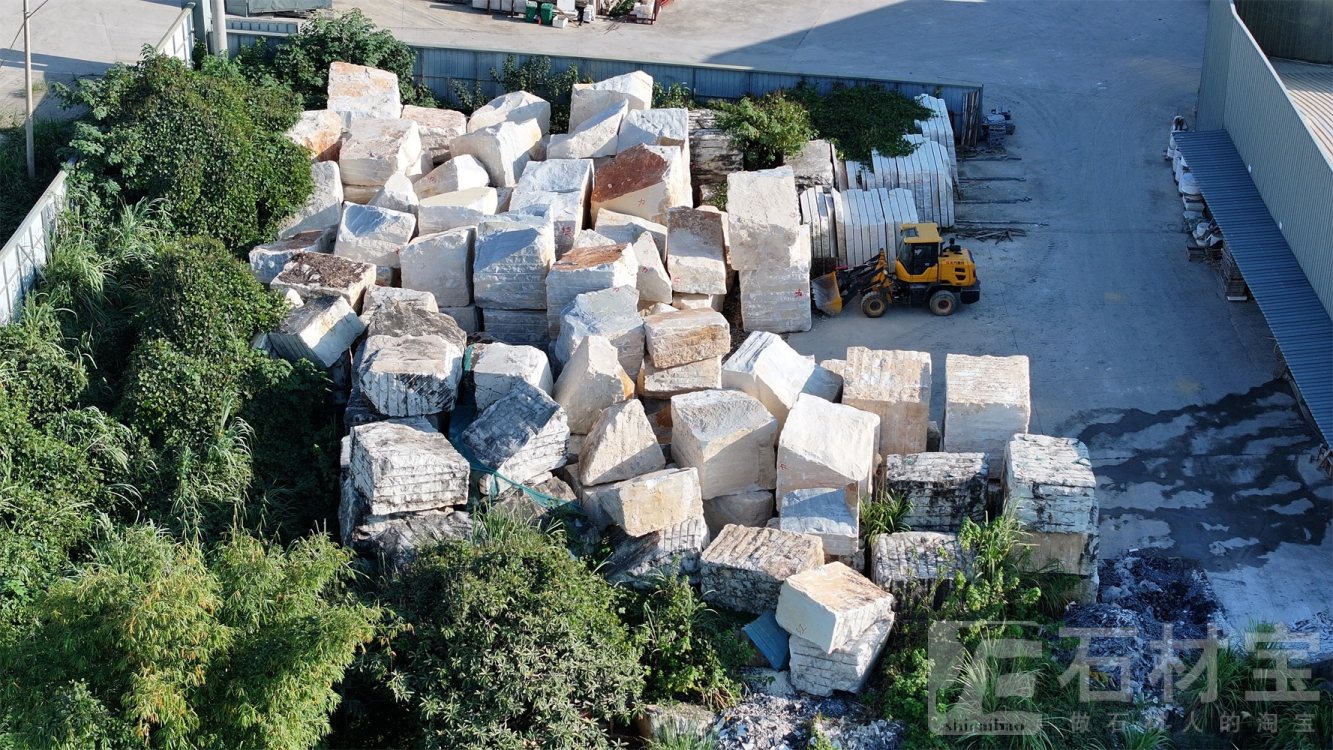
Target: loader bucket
pixel 824 290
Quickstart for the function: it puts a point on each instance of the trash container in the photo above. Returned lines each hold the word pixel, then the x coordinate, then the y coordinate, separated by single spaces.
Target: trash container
pixel 547 13
pixel 530 11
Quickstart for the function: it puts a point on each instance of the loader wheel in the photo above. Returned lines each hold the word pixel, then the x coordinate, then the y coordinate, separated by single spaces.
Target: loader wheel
pixel 943 302
pixel 873 304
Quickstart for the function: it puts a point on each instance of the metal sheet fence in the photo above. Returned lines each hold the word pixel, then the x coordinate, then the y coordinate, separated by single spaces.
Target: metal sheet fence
pixel 445 69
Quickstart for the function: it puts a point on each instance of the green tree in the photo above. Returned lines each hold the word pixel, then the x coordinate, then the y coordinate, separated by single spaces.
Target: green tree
pixel 156 643
pixel 767 129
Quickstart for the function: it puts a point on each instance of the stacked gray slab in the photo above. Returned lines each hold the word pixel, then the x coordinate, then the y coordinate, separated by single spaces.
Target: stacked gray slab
pixel 513 256
pixel 942 489
pixel 744 568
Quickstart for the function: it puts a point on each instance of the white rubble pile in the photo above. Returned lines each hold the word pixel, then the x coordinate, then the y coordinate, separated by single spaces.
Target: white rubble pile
pixel 374 235
pixel 744 568
pixel 987 401
pixel 895 386
pixel 826 445
pixel 521 436
pixel 587 269
pixel 943 489
pixel 591 381
pixel 767 368
pixel 730 438
pixel 1049 488
pixel 356 92
pixel 440 264
pixel 498 368
pixel 268 260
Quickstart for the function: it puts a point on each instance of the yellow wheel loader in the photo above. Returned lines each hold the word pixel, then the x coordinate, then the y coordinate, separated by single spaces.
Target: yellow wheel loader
pixel 925 271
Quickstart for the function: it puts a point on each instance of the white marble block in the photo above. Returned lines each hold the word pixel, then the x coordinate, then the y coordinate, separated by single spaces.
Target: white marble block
pixel 729 437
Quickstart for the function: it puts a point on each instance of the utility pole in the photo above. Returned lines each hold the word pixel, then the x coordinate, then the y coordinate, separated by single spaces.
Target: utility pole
pixel 27 90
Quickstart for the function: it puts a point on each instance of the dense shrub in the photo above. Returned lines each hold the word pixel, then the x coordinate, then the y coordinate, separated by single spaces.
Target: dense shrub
pixel 18 191
pixel 766 129
pixel 207 144
pixel 513 644
pixel 857 119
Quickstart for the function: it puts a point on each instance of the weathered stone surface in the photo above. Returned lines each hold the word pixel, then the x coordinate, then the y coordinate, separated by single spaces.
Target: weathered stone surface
pixel 556 175
pixel 268 260
pixel 467 317
pixel 942 488
pixel 357 92
pixel 379 297
pixel 763 217
pixel 397 538
pixel 691 301
pixel 462 172
pixel 512 260
pixel 831 605
pixel 987 402
pixel 696 251
pixel 440 264
pixel 1075 554
pixel 653 502
pixel 621 445
pixel 595 137
pixel 499 367
pixel 521 436
pixel 318 131
pixel 1049 488
pixel 516 327
pixel 684 336
pixel 463 208
pixel 910 560
pixel 645 181
pixel 413 361
pixel 767 368
pixel 816 672
pixel 643 561
pixel 621 227
pixel 826 512
pixel 612 313
pixel 591 381
pixel 588 269
pixel 653 283
pixel 397 194
pixel 374 235
pixel 587 99
pixel 744 568
pixel 375 149
pixel 438 127
pixel 752 508
pixel 895 385
pixel 322 330
pixel 668 382
pixel 826 445
pixel 503 149
pixel 655 127
pixel 515 106
pixel 406 465
pixel 655 308
pixel 410 318
pixel 812 166
pixel 359 194
pixel 729 437
pixel 324 207
pixel 314 275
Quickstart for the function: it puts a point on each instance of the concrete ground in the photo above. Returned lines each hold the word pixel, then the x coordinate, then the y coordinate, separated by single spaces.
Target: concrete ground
pixel 1200 451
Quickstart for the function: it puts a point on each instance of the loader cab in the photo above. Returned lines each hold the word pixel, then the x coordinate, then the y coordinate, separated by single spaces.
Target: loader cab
pixel 919 253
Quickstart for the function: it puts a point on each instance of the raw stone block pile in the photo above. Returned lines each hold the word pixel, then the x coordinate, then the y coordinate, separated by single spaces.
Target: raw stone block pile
pixel 621 445
pixel 744 567
pixel 268 260
pixel 610 313
pixel 313 275
pixel 440 264
pixel 942 488
pixel 1049 488
pixel 356 92
pixel 465 207
pixel 697 251
pixel 771 249
pixel 645 181
pixel 895 386
pixel 412 361
pixel 321 331
pixel 374 235
pixel 987 401
pixel 463 172
pixel 376 149
pixel 513 257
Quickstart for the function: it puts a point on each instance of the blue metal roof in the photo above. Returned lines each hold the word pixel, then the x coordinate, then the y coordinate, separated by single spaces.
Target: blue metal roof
pixel 1294 313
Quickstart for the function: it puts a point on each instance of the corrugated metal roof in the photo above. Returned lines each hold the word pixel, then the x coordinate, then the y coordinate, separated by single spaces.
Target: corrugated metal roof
pixel 1302 327
pixel 1311 88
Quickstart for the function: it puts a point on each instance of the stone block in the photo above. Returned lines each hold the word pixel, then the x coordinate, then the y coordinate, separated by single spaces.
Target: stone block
pixel 396 539
pixel 404 465
pixel 440 264
pixel 621 227
pixel 612 313
pixel 512 260
pixel 767 368
pixel 268 260
pixel 379 297
pixel 729 437
pixel 463 208
pixel 324 207
pixel 643 561
pixel 500 367
pixel 594 137
pixel 322 330
pixel 812 166
pixel 943 489
pixel 375 150
pixel 1075 554
pixel 895 385
pixel 987 401
pixel 1049 485
pixel 763 218
pixel 654 501
pixel 744 568
pixel 825 512
pixel 521 436
pixel 587 99
pixel 684 336
pixel 653 283
pixel 655 127
pixel 467 317
pixel 588 269
pixel 565 211
pixel 820 673
pixel 503 149
pixel 557 176
pixel 664 383
pixel 438 127
pixel 752 508
pixel 397 194
pixel 591 381
pixel 645 181
pixel 516 327
pixel 515 106
pixel 314 275
pixel 690 301
pixel 462 172
pixel 696 251
pixel 831 605
pixel 910 560
pixel 374 235
pixel 415 370
pixel 356 92
pixel 319 132
pixel 826 445
pixel 620 445
pixel 408 317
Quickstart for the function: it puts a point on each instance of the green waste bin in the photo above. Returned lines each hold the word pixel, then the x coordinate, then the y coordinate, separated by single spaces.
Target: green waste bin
pixel 530 11
pixel 548 13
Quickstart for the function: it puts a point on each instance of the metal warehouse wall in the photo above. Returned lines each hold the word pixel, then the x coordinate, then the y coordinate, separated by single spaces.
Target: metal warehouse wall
pixel 1296 29
pixel 441 68
pixel 1240 92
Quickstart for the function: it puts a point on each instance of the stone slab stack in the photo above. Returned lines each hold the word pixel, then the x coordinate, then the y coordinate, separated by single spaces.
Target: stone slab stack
pixel 927 172
pixel 939 128
pixel 771 249
pixel 909 564
pixel 587 269
pixel 943 489
pixel 767 368
pixel 744 568
pixel 1050 489
pixel 839 622
pixel 522 436
pixel 356 92
pixel 498 369
pixel 645 181
pixel 696 257
pixel 826 445
pixel 987 401
pixel 895 386
pixel 868 221
pixel 513 258
pixel 818 213
pixel 730 438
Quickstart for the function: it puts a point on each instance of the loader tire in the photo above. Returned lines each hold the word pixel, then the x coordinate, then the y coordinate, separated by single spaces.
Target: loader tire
pixel 874 304
pixel 943 302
